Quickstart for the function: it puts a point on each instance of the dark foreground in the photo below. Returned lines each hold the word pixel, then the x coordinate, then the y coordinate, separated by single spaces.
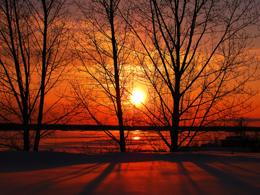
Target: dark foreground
pixel 130 173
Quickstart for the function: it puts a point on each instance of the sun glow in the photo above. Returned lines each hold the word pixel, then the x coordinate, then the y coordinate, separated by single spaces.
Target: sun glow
pixel 138 96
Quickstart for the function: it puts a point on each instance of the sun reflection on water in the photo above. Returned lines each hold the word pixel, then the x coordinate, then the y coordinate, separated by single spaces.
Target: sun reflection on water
pixel 136 135
pixel 136 138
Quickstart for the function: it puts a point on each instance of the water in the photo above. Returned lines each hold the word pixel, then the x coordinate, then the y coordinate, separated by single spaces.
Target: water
pixel 99 142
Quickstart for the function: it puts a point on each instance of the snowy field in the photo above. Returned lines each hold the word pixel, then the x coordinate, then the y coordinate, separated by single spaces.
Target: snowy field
pixel 130 173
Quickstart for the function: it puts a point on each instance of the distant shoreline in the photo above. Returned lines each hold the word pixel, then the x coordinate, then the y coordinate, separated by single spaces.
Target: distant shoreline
pixel 89 127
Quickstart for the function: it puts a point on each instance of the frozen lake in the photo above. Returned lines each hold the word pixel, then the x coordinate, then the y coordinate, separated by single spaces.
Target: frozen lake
pixel 98 142
pixel 90 142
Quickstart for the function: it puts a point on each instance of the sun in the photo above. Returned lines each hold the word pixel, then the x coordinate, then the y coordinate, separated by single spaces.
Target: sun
pixel 138 96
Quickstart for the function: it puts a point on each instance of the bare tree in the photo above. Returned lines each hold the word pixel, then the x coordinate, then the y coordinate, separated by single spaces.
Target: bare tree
pixel 195 60
pixel 52 19
pixel 32 60
pixel 15 64
pixel 103 54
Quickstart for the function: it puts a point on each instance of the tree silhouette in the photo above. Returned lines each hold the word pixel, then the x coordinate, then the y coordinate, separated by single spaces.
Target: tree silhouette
pixel 195 60
pixel 103 54
pixel 33 44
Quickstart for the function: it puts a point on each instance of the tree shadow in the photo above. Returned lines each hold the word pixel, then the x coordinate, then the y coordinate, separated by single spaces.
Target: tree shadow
pixel 93 185
pixel 29 161
pixel 191 183
pixel 228 180
pixel 238 167
pixel 26 161
pixel 48 183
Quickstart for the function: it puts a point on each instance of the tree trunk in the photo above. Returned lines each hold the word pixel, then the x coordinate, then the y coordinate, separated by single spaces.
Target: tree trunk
pixel 174 135
pixel 118 102
pixel 121 129
pixel 43 77
pixel 176 116
pixel 117 81
pixel 39 124
pixel 26 134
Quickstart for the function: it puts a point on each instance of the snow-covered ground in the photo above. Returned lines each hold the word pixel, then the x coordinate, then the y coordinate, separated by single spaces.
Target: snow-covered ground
pixel 131 173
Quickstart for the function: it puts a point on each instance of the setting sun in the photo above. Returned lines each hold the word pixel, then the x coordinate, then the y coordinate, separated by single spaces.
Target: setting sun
pixel 138 96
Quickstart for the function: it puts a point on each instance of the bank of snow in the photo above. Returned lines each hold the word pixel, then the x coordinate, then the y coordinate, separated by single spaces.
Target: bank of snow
pixel 130 173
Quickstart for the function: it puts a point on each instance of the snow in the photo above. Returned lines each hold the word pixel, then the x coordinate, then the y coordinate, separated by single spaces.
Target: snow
pixel 130 173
